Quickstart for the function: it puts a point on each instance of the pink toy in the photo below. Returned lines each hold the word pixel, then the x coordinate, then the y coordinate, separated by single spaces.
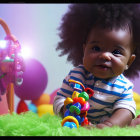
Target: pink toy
pixel 11 66
pixel 85 107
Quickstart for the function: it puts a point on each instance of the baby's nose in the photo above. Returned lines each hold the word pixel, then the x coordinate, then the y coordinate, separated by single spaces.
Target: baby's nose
pixel 105 56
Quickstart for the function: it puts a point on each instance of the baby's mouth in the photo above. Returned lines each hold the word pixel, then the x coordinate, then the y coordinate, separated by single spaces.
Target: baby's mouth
pixel 103 67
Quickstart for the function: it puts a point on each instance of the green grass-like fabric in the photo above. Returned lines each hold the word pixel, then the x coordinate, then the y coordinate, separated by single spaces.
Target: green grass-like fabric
pixel 29 124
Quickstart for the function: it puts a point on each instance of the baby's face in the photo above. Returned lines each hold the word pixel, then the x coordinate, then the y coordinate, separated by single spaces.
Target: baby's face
pixel 108 52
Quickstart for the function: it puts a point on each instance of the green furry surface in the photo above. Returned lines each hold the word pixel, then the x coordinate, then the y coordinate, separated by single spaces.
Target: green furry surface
pixel 29 124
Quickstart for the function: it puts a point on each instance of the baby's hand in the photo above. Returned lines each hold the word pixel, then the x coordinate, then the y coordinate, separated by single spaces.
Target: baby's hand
pixel 135 122
pixel 90 126
pixel 104 124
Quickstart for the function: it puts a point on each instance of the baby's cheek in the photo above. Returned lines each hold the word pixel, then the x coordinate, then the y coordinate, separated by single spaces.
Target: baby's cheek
pixel 118 67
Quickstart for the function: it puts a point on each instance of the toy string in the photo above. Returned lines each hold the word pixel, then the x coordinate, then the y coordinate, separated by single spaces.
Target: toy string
pixel 77 83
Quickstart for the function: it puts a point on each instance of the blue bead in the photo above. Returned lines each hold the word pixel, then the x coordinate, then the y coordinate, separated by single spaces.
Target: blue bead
pixel 77 105
pixel 73 125
pixel 77 117
pixel 77 86
pixel 67 113
pixel 68 106
pixel 70 124
pixel 66 124
pixel 80 119
pixel 75 108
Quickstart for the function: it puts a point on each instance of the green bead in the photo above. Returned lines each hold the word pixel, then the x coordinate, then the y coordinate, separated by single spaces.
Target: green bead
pixel 74 109
pixel 84 95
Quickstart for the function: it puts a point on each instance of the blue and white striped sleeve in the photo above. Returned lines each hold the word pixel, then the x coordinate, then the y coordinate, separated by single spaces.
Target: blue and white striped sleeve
pixel 66 90
pixel 126 101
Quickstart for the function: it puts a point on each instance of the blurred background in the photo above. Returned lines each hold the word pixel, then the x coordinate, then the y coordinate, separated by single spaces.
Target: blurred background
pixel 36 28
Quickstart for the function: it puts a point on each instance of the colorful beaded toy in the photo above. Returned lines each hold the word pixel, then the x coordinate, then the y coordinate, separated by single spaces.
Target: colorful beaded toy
pixel 77 106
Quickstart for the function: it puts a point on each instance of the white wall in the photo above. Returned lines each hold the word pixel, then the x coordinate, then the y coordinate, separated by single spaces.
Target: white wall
pixel 35 25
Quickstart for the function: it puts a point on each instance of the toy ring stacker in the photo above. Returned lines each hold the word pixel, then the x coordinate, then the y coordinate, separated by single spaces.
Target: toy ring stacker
pixel 11 65
pixel 70 119
pixel 77 106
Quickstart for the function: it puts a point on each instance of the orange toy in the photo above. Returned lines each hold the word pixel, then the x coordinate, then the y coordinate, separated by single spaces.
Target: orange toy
pixel 43 99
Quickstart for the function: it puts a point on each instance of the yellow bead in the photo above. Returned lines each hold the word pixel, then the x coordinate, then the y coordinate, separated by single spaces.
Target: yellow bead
pixel 70 119
pixel 67 101
pixel 75 94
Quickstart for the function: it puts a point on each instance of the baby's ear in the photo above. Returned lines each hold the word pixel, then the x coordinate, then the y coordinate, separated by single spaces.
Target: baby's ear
pixel 131 60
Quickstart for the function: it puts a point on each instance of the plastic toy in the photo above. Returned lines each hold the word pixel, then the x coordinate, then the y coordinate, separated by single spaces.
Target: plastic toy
pixel 22 107
pixel 43 99
pixel 41 105
pixel 32 107
pixel 11 65
pixel 137 100
pixel 77 106
pixel 35 80
pixel 44 109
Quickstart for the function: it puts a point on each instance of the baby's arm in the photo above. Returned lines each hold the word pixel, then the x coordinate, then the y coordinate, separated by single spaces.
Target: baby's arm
pixel 121 117
pixel 124 109
pixel 58 103
pixel 62 111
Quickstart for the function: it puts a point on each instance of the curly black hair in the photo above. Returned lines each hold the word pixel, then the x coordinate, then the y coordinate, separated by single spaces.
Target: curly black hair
pixel 80 19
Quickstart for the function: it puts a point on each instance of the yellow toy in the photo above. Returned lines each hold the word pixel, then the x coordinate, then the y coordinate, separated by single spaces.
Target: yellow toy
pixel 137 100
pixel 44 109
pixel 75 94
pixel 70 119
pixel 68 101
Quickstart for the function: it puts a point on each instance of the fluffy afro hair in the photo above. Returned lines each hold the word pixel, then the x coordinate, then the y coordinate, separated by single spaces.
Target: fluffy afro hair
pixel 81 18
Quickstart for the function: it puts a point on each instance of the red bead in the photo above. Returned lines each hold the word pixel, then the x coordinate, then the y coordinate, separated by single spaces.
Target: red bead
pixel 80 100
pixel 89 91
pixel 83 114
pixel 75 100
pixel 138 116
pixel 85 122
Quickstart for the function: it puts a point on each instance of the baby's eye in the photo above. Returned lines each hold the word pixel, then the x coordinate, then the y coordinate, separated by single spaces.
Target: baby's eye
pixel 96 48
pixel 116 52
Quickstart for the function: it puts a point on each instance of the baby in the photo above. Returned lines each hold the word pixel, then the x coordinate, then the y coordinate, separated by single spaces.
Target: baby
pixel 102 42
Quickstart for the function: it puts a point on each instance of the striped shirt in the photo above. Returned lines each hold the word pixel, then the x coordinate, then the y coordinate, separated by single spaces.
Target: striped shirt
pixel 108 95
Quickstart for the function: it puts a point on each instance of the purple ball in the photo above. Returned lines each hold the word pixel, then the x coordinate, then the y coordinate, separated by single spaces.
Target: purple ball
pixel 35 80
